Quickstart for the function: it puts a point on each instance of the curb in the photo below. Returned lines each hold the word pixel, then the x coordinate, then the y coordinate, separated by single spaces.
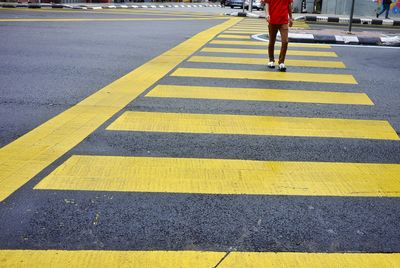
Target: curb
pixel 17 5
pixel 386 22
pixel 393 41
pixel 245 14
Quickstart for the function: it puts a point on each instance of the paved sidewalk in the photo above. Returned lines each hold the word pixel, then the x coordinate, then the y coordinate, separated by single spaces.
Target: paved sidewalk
pixel 336 36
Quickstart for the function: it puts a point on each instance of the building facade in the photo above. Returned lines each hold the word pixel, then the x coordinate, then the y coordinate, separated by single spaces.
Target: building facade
pixel 342 7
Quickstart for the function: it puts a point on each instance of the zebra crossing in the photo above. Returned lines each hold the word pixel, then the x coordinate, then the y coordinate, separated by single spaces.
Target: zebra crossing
pixel 242 59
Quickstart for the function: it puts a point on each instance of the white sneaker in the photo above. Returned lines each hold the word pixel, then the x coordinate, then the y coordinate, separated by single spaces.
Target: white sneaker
pixel 271 65
pixel 282 67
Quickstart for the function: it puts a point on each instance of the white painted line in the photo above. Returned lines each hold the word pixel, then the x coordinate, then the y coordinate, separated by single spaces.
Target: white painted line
pixel 258 38
pixel 339 38
pixel 302 36
pixel 350 39
pixel 387 22
pixel 387 40
pixel 369 21
pixel 320 18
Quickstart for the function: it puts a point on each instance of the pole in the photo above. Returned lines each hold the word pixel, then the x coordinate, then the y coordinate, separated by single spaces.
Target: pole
pixel 251 6
pixel 351 15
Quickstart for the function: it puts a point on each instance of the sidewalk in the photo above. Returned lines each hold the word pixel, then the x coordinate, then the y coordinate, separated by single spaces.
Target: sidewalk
pixel 337 36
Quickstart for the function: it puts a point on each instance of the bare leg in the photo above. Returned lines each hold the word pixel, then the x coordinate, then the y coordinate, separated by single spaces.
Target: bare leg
pixel 284 30
pixel 273 30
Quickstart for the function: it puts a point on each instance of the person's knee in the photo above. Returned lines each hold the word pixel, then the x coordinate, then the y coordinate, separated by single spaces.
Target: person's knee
pixel 284 42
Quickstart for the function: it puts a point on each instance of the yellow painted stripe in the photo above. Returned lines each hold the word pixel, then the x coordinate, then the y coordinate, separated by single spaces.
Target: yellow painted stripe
pixel 255 30
pixel 104 258
pixel 254 125
pixel 264 52
pixel 221 176
pixel 233 36
pixel 31 153
pixel 263 61
pixel 248 28
pixel 264 44
pixel 244 32
pixel 311 260
pixel 246 22
pixel 103 19
pixel 266 75
pixel 191 259
pixel 258 94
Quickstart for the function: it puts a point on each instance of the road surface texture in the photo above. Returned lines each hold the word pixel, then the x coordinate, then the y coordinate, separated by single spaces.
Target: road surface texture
pixel 158 138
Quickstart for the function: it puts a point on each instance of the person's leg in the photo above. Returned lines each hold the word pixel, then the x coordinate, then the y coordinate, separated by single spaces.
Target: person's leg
pixel 284 30
pixel 273 30
pixel 383 10
pixel 387 11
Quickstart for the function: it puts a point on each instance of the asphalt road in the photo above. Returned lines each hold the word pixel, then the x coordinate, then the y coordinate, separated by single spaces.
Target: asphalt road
pixel 48 67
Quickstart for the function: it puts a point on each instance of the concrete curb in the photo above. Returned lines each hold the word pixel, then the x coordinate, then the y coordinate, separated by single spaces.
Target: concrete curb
pixel 393 41
pixel 364 21
pixel 326 19
pixel 245 14
pixel 17 5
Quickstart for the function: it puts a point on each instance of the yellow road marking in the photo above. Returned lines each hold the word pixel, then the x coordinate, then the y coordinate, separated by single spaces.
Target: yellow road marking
pixel 232 36
pixel 264 44
pixel 263 52
pixel 243 32
pixel 236 33
pixel 263 61
pixel 251 31
pixel 308 260
pixel 244 28
pixel 248 27
pixel 97 19
pixel 254 125
pixel 266 75
pixel 246 22
pixel 31 153
pixel 190 259
pixel 220 176
pixel 258 94
pixel 247 31
pixel 104 258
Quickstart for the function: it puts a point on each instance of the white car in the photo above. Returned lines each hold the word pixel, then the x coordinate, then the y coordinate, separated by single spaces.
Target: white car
pixel 257 4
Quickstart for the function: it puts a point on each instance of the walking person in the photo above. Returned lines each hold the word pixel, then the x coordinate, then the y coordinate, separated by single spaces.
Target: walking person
pixel 279 18
pixel 386 7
